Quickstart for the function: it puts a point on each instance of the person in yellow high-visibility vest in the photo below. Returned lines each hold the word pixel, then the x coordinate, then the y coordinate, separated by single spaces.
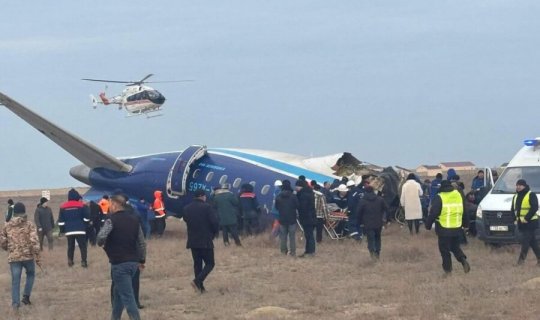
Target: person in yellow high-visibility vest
pixel 525 207
pixel 447 209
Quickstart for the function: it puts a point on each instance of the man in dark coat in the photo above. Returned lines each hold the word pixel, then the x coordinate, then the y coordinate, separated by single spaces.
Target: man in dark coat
pixel 287 207
pixel 447 211
pixel 227 207
pixel 307 215
pixel 371 211
pixel 525 206
pixel 202 227
pixel 44 220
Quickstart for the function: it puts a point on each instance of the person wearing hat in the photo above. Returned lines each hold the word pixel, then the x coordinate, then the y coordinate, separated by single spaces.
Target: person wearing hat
pixel 43 217
pixel 73 218
pixel 9 211
pixel 19 237
pixel 227 206
pixel 306 215
pixel 340 196
pixel 202 227
pixel 525 206
pixel 447 212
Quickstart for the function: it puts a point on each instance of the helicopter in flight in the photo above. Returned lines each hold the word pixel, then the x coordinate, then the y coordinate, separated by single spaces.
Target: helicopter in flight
pixel 137 98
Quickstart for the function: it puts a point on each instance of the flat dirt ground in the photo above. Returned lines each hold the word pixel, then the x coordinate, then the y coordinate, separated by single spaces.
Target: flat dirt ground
pixel 257 282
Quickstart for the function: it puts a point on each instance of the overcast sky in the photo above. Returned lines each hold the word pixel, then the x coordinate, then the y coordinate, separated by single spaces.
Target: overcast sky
pixel 394 82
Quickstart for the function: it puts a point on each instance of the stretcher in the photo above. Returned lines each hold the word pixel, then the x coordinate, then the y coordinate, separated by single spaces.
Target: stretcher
pixel 334 224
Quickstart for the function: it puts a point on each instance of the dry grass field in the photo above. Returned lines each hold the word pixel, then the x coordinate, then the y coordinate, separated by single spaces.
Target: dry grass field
pixel 257 282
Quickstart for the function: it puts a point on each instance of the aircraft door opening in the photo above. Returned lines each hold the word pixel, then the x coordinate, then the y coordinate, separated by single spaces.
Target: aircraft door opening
pixel 179 173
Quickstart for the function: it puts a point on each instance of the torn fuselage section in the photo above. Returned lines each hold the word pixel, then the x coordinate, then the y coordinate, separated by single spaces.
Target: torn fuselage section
pixel 385 181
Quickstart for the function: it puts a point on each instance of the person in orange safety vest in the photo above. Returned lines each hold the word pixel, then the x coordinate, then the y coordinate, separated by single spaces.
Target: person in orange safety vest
pixel 159 212
pixel 104 204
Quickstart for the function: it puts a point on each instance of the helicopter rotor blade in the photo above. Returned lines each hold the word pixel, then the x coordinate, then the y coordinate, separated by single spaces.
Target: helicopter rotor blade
pixel 142 80
pixel 169 81
pixel 135 83
pixel 110 81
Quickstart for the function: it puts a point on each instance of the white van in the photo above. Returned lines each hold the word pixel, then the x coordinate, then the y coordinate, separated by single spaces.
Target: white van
pixel 494 220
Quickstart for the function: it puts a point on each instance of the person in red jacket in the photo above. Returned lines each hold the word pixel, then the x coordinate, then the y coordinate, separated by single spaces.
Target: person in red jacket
pixel 159 211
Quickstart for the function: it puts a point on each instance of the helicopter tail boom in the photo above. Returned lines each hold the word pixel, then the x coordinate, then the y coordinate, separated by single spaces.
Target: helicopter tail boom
pixel 104 99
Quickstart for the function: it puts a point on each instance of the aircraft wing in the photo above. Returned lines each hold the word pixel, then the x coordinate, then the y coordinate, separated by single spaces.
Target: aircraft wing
pixel 80 149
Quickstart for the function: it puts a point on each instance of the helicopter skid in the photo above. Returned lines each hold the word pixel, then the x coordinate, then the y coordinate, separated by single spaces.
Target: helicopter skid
pixel 147 112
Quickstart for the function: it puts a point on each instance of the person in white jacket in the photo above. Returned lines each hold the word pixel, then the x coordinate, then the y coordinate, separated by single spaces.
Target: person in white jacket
pixel 411 191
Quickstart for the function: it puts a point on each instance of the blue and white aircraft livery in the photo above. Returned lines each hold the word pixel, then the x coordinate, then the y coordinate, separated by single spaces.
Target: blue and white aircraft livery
pixel 177 174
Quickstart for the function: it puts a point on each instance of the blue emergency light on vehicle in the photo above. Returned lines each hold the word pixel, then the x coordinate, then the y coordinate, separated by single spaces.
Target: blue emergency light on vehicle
pixel 531 142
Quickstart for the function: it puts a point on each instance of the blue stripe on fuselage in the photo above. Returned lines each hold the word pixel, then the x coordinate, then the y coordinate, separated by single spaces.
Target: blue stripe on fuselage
pixel 293 170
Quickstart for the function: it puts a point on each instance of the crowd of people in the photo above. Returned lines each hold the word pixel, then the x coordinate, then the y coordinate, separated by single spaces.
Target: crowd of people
pixel 121 226
pixel 118 225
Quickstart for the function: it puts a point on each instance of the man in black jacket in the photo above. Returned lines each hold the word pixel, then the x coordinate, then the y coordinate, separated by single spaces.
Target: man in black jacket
pixel 307 215
pixel 525 206
pixel 123 241
pixel 447 211
pixel 136 279
pixel 202 228
pixel 371 211
pixel 287 207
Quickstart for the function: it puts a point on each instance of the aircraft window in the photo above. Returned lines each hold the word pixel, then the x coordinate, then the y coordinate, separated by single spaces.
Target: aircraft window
pixel 223 179
pixel 253 183
pixel 265 189
pixel 237 182
pixel 196 173
pixel 209 176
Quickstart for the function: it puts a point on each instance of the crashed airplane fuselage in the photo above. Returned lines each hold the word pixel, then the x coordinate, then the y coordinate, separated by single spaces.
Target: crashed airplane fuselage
pixel 178 174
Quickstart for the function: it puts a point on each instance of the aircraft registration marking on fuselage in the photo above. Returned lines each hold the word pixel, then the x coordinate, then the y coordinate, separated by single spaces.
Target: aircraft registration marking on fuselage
pixel 192 186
